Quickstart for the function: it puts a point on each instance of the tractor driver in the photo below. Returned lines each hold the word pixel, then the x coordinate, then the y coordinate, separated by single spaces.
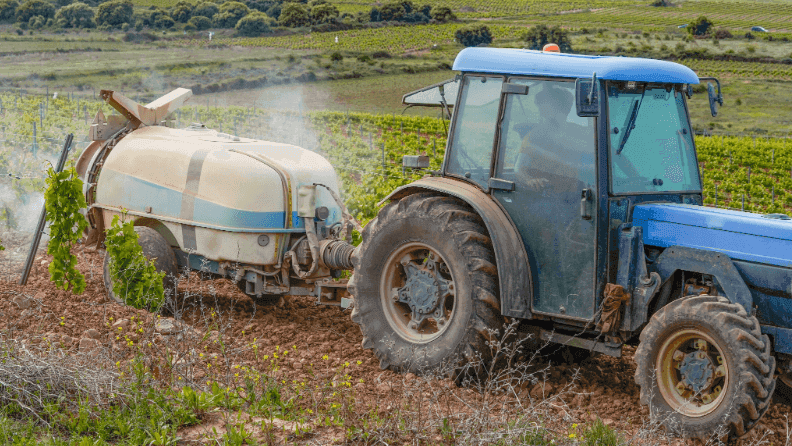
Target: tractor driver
pixel 553 149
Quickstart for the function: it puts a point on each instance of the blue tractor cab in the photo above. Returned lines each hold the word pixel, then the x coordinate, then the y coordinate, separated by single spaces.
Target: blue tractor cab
pixel 570 198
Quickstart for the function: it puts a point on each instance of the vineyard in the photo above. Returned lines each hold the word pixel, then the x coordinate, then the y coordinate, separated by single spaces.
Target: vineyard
pixel 751 173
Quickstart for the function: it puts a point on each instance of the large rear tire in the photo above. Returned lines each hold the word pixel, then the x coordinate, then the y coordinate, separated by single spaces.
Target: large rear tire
pixel 425 285
pixel 155 248
pixel 705 368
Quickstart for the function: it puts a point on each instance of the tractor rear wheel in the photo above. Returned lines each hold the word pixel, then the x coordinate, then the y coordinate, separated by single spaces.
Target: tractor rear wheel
pixel 156 249
pixel 704 367
pixel 425 285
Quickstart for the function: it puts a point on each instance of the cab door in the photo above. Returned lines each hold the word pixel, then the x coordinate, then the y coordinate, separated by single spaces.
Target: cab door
pixel 544 176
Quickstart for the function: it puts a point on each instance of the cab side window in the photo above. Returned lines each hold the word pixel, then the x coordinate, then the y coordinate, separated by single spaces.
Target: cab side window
pixel 474 130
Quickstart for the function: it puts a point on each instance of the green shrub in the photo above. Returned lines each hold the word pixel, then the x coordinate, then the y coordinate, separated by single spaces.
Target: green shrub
pixel 255 24
pixel 700 26
pixel 8 10
pixel 230 14
pixel 294 15
pixel 336 57
pixel 474 35
pixel 63 200
pixel 34 8
pixel 76 15
pixel 135 279
pixel 182 11
pixel 200 22
pixel 163 22
pixel 206 9
pixel 442 14
pixel 114 13
pixel 540 35
pixel 324 13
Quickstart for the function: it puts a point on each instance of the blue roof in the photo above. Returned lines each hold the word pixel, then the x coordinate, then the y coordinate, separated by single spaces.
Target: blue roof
pixel 538 63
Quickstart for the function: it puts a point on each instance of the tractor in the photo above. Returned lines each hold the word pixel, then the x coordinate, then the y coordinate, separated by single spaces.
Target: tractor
pixel 570 199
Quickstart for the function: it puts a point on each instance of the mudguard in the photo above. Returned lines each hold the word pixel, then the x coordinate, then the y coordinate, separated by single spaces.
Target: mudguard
pixel 514 274
pixel 719 265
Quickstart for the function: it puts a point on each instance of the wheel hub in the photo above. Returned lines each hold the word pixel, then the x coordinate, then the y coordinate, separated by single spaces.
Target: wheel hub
pixel 697 371
pixel 423 291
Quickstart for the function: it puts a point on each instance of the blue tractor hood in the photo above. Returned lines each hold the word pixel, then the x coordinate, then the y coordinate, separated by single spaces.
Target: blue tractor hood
pixel 740 235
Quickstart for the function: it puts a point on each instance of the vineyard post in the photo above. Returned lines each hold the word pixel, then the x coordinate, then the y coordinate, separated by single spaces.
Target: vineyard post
pixel 47 96
pixel 2 111
pixel 749 174
pixel 773 158
pixel 43 218
pixel 743 202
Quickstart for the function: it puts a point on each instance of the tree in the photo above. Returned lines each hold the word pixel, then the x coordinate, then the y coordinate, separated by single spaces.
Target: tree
pixel 294 15
pixel 230 13
pixel 8 10
pixel 200 22
pixel 394 11
pixel 255 24
pixel 442 14
pixel 114 13
pixel 540 35
pixel 182 11
pixel 164 21
pixel 33 8
pixel 76 15
pixel 324 13
pixel 206 9
pixel 473 35
pixel 700 26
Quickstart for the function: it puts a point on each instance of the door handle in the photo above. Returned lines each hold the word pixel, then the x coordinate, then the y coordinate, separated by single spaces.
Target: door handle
pixel 585 204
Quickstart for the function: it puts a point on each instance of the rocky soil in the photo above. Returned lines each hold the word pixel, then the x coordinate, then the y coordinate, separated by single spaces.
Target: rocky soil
pixel 602 386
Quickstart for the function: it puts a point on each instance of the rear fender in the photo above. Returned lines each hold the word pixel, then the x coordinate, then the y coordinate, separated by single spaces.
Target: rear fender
pixel 716 264
pixel 514 274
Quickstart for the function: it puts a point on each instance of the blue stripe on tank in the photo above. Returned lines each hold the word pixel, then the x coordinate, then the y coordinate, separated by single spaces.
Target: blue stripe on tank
pixel 137 194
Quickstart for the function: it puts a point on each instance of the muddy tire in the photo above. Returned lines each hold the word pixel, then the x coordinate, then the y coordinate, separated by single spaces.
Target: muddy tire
pixel 154 247
pixel 425 285
pixel 704 367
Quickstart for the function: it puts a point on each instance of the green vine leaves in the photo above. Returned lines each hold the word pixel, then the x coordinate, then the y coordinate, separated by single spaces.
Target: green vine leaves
pixel 135 279
pixel 63 201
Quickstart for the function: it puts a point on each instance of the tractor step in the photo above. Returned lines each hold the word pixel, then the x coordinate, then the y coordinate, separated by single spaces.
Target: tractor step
pixel 586 344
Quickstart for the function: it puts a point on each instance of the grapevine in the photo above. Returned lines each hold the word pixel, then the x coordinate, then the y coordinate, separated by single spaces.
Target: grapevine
pixel 63 201
pixel 135 279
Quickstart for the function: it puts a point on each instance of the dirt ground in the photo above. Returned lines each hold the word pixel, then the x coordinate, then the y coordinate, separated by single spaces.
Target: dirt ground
pixel 605 385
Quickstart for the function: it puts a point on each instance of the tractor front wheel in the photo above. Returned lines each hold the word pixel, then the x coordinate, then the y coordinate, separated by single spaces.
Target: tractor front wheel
pixel 704 367
pixel 425 285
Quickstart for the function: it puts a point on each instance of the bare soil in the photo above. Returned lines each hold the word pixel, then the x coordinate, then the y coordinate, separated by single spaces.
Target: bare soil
pixel 604 388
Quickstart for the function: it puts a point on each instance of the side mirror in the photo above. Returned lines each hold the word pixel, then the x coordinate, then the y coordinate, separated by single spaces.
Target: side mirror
pixel 715 98
pixel 587 96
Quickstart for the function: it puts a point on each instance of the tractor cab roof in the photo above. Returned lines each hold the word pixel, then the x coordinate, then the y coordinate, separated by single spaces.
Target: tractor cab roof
pixel 552 64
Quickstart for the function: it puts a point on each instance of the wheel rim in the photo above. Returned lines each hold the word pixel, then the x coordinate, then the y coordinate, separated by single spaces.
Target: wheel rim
pixel 692 373
pixel 417 292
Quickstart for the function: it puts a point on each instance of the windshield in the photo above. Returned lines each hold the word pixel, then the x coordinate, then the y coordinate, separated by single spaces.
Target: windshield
pixel 651 144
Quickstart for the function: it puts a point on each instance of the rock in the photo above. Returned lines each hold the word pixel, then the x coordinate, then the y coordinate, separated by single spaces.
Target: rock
pixel 88 345
pixel 608 421
pixel 166 326
pixel 383 388
pixel 90 334
pixel 120 326
pixel 23 302
pixel 410 376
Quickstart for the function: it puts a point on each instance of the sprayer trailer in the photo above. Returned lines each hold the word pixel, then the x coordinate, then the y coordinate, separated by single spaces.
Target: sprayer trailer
pixel 570 198
pixel 264 214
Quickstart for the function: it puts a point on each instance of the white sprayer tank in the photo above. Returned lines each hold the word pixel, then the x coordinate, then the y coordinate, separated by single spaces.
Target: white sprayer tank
pixel 227 198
